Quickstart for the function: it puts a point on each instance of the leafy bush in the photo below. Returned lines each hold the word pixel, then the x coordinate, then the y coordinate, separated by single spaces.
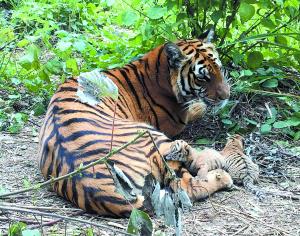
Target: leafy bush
pixel 43 42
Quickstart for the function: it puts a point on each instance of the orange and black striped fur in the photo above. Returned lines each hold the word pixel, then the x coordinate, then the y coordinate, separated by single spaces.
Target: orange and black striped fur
pixel 231 159
pixel 161 93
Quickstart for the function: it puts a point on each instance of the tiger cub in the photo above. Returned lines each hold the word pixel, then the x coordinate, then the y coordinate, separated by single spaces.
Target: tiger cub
pixel 232 159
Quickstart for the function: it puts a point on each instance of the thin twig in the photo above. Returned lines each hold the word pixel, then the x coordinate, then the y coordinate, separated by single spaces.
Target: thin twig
pixel 250 29
pixel 15 209
pixel 236 6
pixel 113 126
pixel 25 220
pixel 241 230
pixel 249 217
pixel 75 172
pixel 274 31
pixel 171 171
pixel 53 222
pixel 39 207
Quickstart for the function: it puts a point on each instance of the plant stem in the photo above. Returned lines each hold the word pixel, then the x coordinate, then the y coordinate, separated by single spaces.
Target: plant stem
pixel 171 171
pixel 274 31
pixel 113 125
pixel 75 172
pixel 236 6
pixel 274 93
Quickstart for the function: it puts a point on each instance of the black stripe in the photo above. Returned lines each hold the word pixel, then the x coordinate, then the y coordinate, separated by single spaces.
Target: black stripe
pixel 186 47
pixel 131 88
pixel 145 92
pixel 80 120
pixel 163 108
pixel 73 111
pixel 71 79
pixel 79 134
pixel 157 65
pixel 111 74
pixel 190 52
pixel 66 89
pixel 182 82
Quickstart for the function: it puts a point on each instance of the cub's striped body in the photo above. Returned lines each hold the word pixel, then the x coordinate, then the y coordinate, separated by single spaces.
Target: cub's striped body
pixel 240 166
pixel 154 92
pixel 232 159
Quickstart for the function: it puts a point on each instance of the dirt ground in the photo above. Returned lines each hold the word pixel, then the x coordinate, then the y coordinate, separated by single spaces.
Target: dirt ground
pixel 225 213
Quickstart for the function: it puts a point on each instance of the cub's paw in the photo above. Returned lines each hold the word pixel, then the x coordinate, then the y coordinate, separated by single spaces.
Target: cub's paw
pixel 179 151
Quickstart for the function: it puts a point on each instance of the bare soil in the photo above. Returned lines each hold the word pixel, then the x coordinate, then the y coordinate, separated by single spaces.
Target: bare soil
pixel 224 213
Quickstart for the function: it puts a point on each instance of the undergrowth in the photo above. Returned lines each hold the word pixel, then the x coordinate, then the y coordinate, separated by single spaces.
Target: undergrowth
pixel 43 42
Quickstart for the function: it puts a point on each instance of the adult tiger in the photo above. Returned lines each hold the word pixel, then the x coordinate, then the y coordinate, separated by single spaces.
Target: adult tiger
pixel 154 92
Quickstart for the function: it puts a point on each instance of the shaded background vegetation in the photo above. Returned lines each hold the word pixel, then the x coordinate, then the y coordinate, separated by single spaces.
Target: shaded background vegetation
pixel 43 42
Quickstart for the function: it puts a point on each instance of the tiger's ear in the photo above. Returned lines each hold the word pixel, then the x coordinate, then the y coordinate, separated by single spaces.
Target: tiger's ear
pixel 207 36
pixel 174 54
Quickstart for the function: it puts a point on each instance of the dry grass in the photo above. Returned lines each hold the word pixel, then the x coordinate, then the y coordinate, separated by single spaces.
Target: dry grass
pixel 225 213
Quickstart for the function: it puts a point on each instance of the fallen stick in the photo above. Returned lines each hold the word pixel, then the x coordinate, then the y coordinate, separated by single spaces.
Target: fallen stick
pixel 67 218
pixel 53 222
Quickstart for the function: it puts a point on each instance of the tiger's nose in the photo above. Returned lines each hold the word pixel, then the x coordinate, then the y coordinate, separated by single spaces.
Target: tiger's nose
pixel 223 92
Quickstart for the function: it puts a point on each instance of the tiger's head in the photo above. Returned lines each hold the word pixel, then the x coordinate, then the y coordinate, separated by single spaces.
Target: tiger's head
pixel 196 70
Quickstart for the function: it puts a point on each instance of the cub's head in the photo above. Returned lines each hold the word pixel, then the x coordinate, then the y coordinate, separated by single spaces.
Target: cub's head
pixel 235 142
pixel 196 70
pixel 219 179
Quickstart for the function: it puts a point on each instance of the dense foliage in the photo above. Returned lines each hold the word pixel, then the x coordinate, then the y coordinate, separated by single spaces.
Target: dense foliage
pixel 42 42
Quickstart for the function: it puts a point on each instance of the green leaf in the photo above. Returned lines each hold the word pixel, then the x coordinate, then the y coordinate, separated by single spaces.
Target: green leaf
pixel 23 43
pixel 72 65
pixel 26 183
pixel 129 18
pixel 255 59
pixel 216 15
pixel 204 141
pixel 54 66
pixel 16 229
pixel 297 136
pixel 246 12
pixel 227 122
pixel 268 23
pixel 95 87
pixel 3 190
pixel 253 122
pixel 265 128
pixel 31 59
pixel 39 109
pixel 270 83
pixel 156 12
pixel 44 75
pixel 246 73
pixel 293 121
pixel 79 45
pixel 281 40
pixel 31 232
pixel 139 223
pixel 89 232
pixel 110 2
pixel 63 45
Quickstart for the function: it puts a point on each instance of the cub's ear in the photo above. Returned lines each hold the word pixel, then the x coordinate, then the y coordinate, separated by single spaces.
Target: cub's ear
pixel 207 36
pixel 174 55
